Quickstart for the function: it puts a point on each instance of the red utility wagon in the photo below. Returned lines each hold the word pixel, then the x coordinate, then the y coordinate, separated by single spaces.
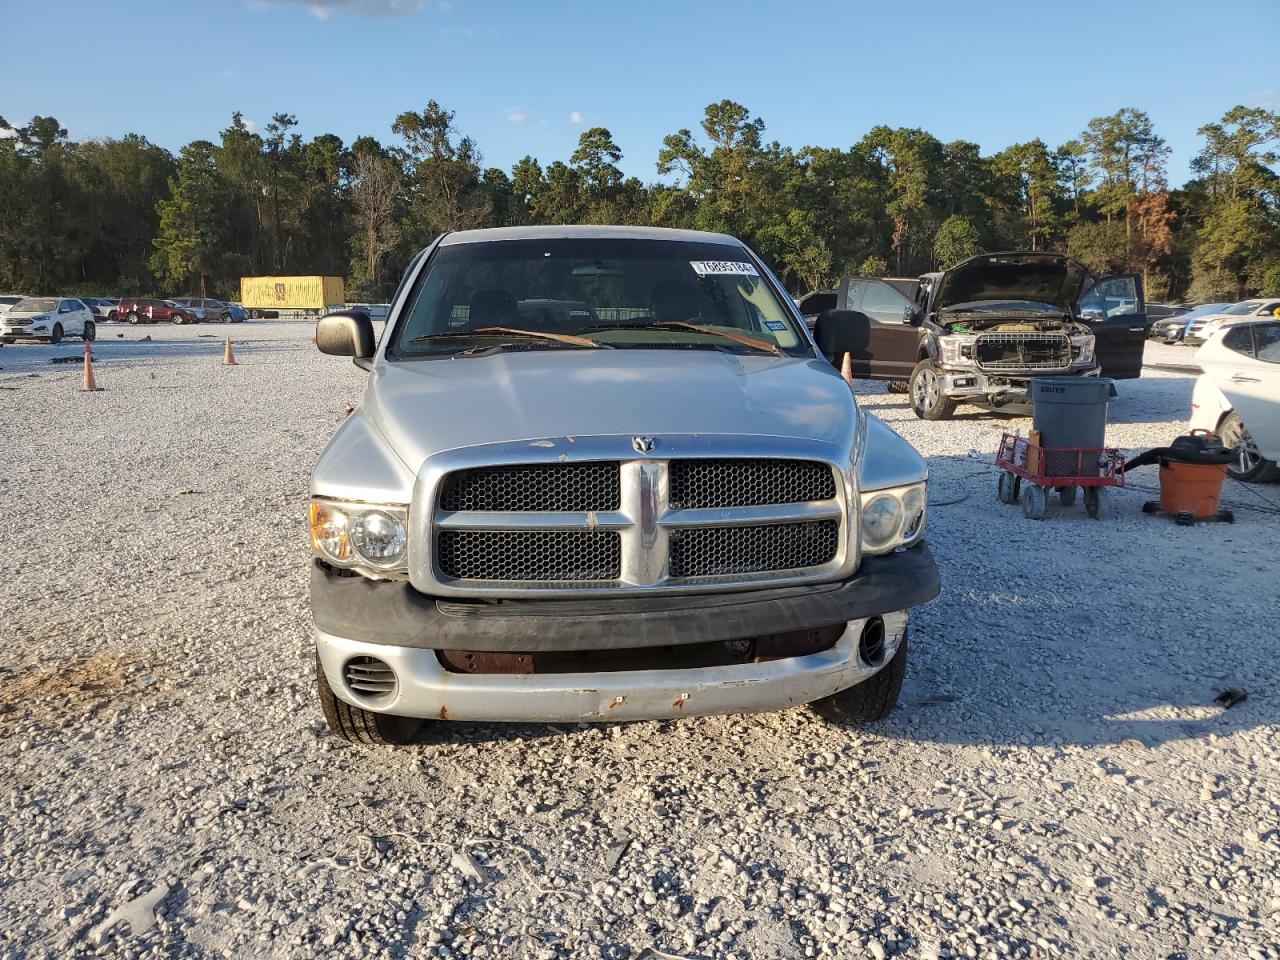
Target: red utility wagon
pixel 1029 471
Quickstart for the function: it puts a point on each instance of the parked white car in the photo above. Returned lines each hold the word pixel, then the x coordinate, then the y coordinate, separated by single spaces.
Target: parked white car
pixel 47 318
pixel 1238 397
pixel 7 301
pixel 1259 308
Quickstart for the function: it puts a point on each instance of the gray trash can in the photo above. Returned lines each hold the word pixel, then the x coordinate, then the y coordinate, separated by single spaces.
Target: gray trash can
pixel 1071 413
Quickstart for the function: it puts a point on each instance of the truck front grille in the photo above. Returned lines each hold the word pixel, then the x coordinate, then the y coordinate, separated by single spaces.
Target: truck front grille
pixel 553 486
pixel 698 484
pixel 717 551
pixel 637 524
pixel 523 555
pixel 1021 352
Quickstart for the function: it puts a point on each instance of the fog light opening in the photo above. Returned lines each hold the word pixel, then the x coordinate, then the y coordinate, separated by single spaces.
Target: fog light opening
pixel 370 678
pixel 871 643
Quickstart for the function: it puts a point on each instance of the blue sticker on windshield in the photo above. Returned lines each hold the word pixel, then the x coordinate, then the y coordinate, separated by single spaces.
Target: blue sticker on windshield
pixel 776 325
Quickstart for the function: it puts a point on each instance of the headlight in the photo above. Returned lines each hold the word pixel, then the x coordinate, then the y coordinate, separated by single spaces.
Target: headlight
pixel 378 537
pixel 360 536
pixel 893 518
pixel 1082 348
pixel 957 349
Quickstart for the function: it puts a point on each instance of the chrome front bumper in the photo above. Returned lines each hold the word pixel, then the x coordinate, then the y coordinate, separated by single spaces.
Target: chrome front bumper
pixel 425 689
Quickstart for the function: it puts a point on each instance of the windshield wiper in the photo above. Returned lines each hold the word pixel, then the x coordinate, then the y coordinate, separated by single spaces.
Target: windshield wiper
pixel 752 342
pixel 512 331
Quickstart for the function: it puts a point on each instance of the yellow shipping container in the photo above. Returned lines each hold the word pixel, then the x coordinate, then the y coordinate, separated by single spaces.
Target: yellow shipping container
pixel 291 293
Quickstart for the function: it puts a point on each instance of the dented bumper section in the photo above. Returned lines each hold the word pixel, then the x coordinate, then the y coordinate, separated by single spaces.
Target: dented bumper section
pixel 423 687
pixel 999 390
pixel 394 614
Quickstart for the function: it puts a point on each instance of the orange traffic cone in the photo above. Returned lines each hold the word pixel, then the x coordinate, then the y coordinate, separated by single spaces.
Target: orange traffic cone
pixel 846 369
pixel 228 355
pixel 89 385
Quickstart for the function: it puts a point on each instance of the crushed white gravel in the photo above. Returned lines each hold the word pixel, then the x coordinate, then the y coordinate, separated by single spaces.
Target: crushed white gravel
pixel 1056 782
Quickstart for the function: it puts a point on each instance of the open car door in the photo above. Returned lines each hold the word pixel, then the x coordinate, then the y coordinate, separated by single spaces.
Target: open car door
pixel 894 346
pixel 1115 310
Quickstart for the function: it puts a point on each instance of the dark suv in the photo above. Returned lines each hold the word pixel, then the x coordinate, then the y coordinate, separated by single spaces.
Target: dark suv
pixel 980 331
pixel 138 310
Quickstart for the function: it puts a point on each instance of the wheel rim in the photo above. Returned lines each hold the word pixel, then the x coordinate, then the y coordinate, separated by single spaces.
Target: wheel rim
pixel 926 389
pixel 1248 457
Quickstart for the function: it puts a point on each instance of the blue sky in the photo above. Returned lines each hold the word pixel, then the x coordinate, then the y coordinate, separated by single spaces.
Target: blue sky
pixel 528 77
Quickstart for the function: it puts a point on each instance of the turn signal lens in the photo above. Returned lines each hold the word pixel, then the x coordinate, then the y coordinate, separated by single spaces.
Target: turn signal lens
pixel 329 532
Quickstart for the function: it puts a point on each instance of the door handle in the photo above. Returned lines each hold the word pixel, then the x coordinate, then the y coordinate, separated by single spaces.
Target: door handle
pixel 1137 329
pixel 1241 378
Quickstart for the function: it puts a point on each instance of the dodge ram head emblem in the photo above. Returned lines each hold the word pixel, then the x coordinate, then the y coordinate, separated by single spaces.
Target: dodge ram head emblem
pixel 643 444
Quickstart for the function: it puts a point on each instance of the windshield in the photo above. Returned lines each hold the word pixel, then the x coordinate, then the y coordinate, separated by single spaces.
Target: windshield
pixel 35 305
pixel 582 293
pixel 1240 309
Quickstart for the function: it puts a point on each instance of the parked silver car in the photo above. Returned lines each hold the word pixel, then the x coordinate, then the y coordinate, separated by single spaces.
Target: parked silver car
pixel 604 473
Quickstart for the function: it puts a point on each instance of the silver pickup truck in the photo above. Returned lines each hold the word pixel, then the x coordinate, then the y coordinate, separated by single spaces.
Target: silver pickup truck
pixel 607 473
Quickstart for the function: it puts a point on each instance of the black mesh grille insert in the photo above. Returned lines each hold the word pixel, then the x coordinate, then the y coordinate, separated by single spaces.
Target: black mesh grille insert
pixel 714 551
pixel 697 484
pixel 530 554
pixel 559 487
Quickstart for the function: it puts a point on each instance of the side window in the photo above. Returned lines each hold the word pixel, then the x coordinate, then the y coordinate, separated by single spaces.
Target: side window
pixel 1116 297
pixel 1269 310
pixel 1239 339
pixel 1266 339
pixel 883 304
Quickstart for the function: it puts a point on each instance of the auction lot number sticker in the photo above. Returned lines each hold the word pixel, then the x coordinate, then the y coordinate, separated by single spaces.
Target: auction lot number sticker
pixel 711 268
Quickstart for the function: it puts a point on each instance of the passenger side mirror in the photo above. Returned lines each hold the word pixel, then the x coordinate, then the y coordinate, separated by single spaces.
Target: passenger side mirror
pixel 842 331
pixel 910 316
pixel 348 333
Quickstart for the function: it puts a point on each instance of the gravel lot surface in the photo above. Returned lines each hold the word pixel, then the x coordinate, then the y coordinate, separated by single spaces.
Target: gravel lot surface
pixel 1057 781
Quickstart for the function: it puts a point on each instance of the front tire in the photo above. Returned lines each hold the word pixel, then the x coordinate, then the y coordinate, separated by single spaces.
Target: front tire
pixel 362 726
pixel 1249 466
pixel 177 319
pixel 55 335
pixel 872 699
pixel 927 399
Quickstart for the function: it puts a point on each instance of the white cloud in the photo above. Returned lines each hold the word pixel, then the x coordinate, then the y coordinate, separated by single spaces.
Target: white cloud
pixel 575 117
pixel 516 115
pixel 323 9
pixel 250 125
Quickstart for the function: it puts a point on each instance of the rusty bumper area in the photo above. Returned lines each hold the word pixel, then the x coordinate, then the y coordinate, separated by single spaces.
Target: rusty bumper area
pixel 776 646
pixel 424 688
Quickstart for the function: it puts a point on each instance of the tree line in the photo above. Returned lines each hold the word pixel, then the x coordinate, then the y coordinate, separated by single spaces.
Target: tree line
pixel 128 217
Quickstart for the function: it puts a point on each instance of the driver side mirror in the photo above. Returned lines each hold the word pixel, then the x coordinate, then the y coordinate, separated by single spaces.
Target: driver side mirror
pixel 842 331
pixel 348 333
pixel 910 316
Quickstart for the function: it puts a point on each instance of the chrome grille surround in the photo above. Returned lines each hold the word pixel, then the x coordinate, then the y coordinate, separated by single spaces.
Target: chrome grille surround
pixel 1052 352
pixel 646 520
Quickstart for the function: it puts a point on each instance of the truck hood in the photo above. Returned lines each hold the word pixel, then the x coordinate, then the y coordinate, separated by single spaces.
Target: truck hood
pixel 425 407
pixel 1048 278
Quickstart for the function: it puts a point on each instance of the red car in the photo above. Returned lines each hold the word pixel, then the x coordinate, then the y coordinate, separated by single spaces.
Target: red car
pixel 139 310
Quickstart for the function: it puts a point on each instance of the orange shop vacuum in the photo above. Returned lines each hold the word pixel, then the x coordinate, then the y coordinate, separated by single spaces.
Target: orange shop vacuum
pixel 1192 469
